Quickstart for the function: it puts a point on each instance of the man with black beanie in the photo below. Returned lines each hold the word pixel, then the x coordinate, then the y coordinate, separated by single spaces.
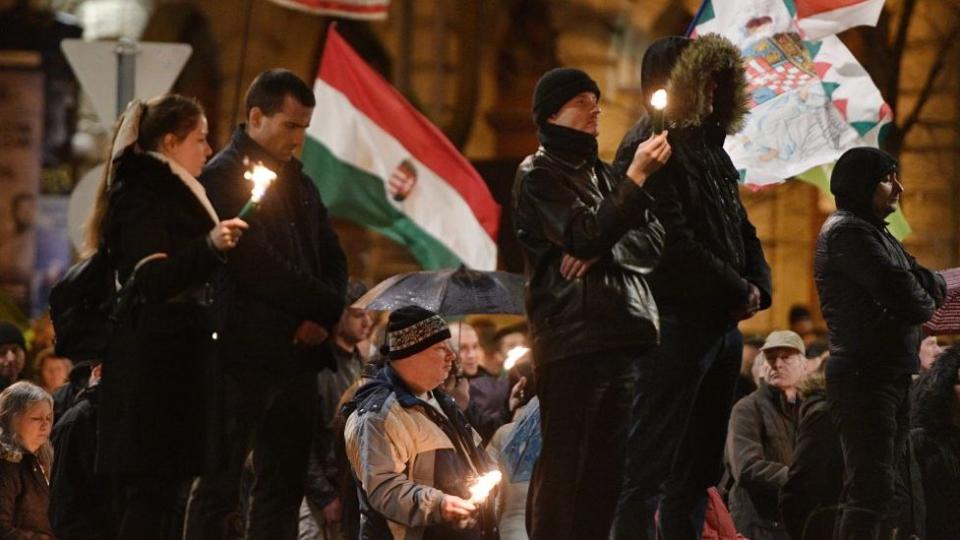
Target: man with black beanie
pixel 588 239
pixel 412 452
pixel 874 297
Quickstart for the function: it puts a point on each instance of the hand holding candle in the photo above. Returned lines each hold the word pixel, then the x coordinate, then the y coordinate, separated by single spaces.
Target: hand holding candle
pixel 513 355
pixel 483 485
pixel 261 177
pixel 659 102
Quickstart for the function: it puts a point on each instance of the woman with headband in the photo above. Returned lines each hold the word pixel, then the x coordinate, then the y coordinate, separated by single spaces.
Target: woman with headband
pixel 156 223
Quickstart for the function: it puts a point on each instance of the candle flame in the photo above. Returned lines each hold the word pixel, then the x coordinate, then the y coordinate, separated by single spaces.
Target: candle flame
pixel 514 355
pixel 482 487
pixel 261 177
pixel 659 100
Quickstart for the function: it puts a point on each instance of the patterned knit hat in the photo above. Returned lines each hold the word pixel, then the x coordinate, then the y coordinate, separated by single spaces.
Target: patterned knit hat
pixel 412 329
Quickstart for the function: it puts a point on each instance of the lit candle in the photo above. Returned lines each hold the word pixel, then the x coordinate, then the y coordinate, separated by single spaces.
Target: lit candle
pixel 482 487
pixel 659 102
pixel 261 177
pixel 513 355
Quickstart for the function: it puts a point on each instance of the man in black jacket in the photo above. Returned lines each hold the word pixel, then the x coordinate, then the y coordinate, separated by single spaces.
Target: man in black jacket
pixel 287 285
pixel 588 240
pixel 874 297
pixel 712 275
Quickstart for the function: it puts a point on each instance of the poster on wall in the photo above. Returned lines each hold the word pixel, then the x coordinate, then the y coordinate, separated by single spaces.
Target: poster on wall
pixel 54 252
pixel 21 142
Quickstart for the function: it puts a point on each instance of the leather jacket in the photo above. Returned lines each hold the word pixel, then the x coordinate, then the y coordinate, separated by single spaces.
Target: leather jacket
pixel 568 204
pixel 873 294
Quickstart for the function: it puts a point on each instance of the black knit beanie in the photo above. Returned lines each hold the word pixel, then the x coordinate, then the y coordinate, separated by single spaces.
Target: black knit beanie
pixel 412 329
pixel 10 334
pixel 556 87
pixel 856 175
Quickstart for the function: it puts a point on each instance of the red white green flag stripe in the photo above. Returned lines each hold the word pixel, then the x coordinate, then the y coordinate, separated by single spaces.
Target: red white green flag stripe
pixel 380 163
pixel 348 9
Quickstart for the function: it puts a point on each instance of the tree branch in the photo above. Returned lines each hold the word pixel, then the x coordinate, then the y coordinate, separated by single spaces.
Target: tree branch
pixel 899 42
pixel 927 89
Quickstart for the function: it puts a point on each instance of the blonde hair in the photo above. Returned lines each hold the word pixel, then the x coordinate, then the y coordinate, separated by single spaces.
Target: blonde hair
pixel 14 402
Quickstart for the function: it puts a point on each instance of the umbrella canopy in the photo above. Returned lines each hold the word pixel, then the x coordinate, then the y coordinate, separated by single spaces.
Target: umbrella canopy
pixel 460 291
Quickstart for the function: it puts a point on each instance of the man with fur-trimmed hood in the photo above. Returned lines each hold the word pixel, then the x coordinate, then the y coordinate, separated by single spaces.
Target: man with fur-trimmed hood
pixel 712 274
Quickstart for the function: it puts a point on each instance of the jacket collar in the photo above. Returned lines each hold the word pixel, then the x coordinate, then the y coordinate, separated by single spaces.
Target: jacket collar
pixel 776 396
pixel 251 149
pixel 405 396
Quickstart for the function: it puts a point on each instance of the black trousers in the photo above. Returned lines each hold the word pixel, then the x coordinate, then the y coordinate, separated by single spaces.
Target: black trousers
pixel 870 412
pixel 675 450
pixel 270 414
pixel 148 507
pixel 585 412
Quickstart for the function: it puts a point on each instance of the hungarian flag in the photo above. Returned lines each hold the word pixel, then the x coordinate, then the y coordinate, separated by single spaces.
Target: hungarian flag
pixel 380 163
pixel 348 9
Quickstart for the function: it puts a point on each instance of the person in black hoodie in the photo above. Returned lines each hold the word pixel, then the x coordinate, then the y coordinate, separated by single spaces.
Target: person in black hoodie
pixel 935 435
pixel 712 275
pixel 589 239
pixel 874 297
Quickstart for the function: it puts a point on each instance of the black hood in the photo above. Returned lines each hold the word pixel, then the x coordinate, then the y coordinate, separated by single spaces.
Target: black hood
pixel 681 65
pixel 855 178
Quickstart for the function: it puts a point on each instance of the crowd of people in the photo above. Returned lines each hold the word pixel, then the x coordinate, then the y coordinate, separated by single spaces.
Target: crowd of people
pixel 244 394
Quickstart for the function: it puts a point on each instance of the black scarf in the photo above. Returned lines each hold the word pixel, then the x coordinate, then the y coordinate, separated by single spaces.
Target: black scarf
pixel 568 142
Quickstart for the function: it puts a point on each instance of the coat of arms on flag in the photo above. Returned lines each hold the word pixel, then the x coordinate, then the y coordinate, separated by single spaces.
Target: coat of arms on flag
pixel 380 163
pixel 810 98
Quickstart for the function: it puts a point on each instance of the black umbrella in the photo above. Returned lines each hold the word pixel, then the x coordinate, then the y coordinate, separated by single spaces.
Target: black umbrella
pixel 460 291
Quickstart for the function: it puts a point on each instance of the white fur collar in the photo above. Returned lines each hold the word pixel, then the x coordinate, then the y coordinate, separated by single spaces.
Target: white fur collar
pixel 192 184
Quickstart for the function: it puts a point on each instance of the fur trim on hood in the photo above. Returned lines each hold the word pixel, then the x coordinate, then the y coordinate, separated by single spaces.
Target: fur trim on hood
pixel 10 451
pixel 689 63
pixel 812 384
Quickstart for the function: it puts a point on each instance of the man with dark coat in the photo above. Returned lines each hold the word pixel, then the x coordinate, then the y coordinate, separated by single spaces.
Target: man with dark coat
pixel 79 502
pixel 589 239
pixel 322 508
pixel 287 283
pixel 712 275
pixel 763 427
pixel 874 297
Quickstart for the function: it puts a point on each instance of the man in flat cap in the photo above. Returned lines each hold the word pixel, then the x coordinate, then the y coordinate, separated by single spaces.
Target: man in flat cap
pixel 589 238
pixel 874 297
pixel 412 451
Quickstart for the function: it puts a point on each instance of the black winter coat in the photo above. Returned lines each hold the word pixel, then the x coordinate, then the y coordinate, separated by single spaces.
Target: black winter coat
pixel 288 268
pixel 873 295
pixel 155 378
pixel 566 203
pixel 809 498
pixel 712 253
pixel 24 497
pixel 79 501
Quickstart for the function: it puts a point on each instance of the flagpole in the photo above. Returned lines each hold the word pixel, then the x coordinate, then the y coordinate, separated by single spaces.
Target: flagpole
pixel 240 63
pixel 693 23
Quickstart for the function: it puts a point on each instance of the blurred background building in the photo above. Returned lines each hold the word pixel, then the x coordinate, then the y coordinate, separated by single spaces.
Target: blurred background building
pixel 470 66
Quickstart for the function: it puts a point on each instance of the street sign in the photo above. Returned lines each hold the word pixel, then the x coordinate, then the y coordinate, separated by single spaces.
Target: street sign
pixel 106 70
